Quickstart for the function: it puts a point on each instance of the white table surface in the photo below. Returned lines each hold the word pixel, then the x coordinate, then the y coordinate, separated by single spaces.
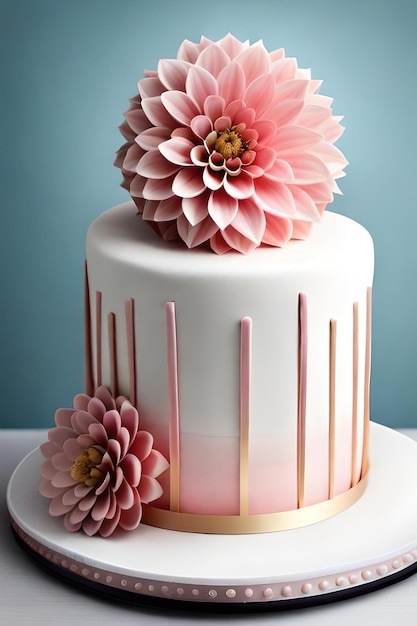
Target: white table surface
pixel 31 596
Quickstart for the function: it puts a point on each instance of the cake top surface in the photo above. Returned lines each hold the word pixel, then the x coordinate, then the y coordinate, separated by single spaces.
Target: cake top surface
pixel 124 236
pixel 232 145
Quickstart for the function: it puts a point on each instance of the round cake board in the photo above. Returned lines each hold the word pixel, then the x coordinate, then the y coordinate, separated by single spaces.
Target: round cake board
pixel 370 545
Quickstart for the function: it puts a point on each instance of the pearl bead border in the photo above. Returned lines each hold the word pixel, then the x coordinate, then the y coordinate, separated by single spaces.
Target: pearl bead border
pixel 283 591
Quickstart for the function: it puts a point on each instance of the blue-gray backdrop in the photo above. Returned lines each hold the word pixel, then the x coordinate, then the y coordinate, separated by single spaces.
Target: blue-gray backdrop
pixel 68 68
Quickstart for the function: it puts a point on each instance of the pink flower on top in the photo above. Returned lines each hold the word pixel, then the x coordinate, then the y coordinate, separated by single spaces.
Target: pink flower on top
pixel 231 145
pixel 99 466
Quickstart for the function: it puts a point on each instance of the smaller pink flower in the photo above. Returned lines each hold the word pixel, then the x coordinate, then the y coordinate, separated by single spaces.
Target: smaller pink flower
pixel 99 466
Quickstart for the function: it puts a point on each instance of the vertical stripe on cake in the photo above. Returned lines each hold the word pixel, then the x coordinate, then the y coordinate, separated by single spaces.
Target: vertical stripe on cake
pixel 131 348
pixel 355 379
pixel 245 381
pixel 332 405
pixel 302 395
pixel 111 332
pixel 88 354
pixel 98 338
pixel 174 410
pixel 366 408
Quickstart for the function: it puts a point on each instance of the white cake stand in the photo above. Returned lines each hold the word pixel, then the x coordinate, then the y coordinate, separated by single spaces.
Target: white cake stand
pixel 372 544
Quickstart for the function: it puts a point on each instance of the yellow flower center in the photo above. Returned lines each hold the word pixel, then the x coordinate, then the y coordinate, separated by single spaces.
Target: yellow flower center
pixel 229 143
pixel 84 469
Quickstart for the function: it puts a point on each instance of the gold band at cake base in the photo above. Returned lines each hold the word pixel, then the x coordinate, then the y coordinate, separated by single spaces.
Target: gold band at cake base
pixel 248 524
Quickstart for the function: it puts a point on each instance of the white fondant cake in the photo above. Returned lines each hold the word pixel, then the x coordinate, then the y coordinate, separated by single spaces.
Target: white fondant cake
pixel 251 372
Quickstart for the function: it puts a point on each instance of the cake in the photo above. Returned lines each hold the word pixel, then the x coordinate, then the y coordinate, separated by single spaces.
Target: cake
pixel 228 315
pixel 227 362
pixel 251 372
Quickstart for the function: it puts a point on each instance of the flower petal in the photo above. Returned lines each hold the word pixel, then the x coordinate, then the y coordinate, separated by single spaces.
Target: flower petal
pixel 173 73
pixel 108 526
pixel 180 106
pixel 195 209
pixel 142 444
pixel 188 183
pixel 218 244
pixel 154 165
pixel 250 221
pixel 293 139
pixel 239 187
pixel 213 59
pixel 260 93
pixel 305 207
pixel 254 61
pixel 60 434
pixel 278 230
pixel 149 489
pixel 90 526
pixel 132 469
pixel 232 82
pixel 166 210
pixel 130 518
pixel 214 107
pixel 177 151
pixel 150 138
pixel 154 464
pixel 63 417
pixel 158 189
pixel 58 508
pixel 100 506
pixel 195 235
pixel 156 112
pixel 125 495
pixel 48 449
pixel 274 197
pixel 222 208
pixel 137 120
pixel 199 85
pixel 237 241
pixel 63 479
pixel 307 169
pixel 201 125
pixel 61 462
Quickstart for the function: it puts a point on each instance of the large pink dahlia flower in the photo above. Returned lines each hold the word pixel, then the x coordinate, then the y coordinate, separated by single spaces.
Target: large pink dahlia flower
pixel 232 145
pixel 99 466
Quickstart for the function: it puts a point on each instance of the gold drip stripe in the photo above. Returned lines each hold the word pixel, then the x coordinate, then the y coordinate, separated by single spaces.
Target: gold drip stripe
pixel 366 409
pixel 245 372
pixel 266 523
pixel 88 350
pixel 111 331
pixel 332 405
pixel 302 397
pixel 131 349
pixel 355 375
pixel 174 411
pixel 98 337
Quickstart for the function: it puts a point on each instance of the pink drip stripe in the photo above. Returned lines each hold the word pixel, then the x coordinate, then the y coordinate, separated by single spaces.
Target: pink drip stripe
pixel 245 382
pixel 355 387
pixel 174 411
pixel 366 410
pixel 88 349
pixel 131 349
pixel 111 329
pixel 98 337
pixel 332 405
pixel 302 396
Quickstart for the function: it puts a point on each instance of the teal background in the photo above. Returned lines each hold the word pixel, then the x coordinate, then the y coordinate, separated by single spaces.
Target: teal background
pixel 67 71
